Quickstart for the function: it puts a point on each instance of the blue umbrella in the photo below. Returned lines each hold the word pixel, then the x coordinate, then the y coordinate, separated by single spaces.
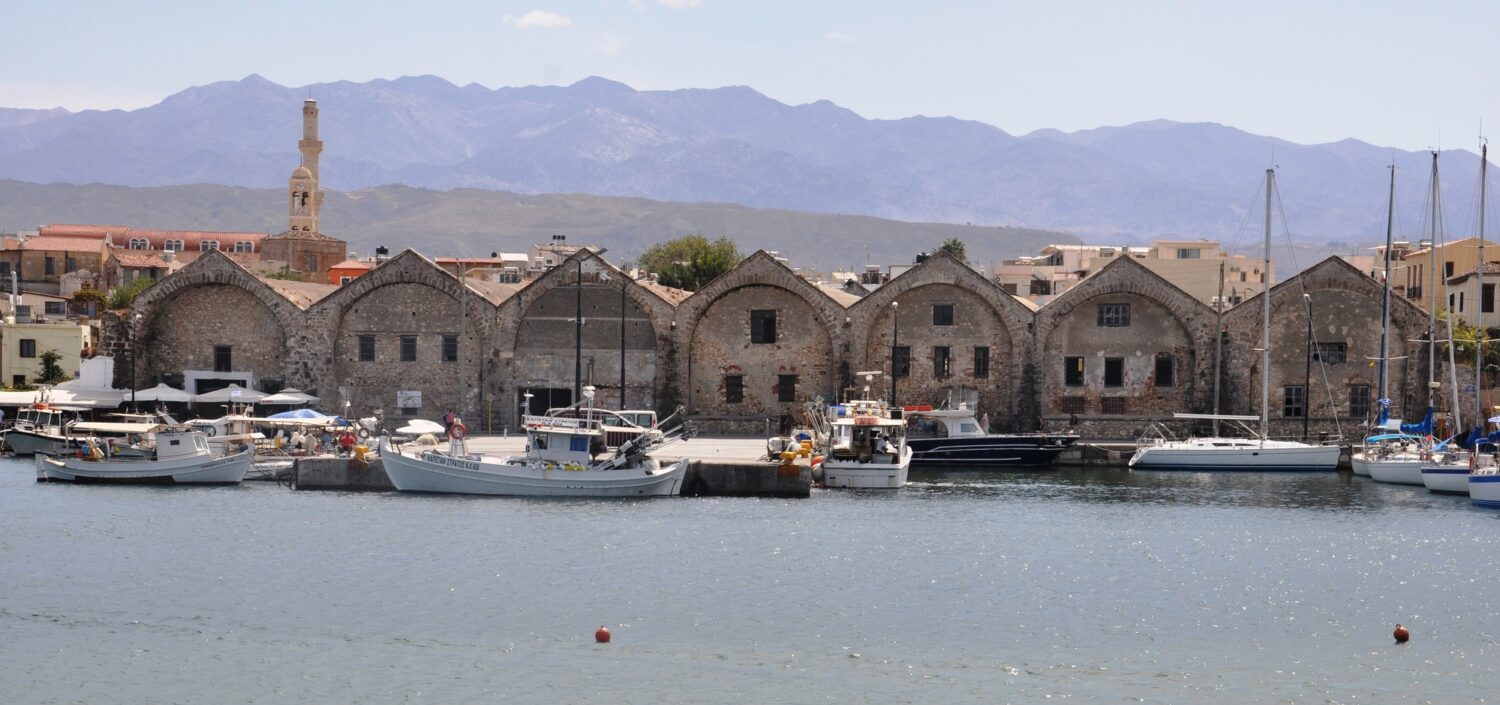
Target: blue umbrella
pixel 301 414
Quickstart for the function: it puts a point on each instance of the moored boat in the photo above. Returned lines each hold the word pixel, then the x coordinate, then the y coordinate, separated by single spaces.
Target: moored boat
pixel 179 457
pixel 960 440
pixel 561 460
pixel 1484 487
pixel 866 447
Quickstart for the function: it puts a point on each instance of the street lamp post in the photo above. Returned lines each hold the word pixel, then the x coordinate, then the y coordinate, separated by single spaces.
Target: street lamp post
pixel 578 335
pixel 895 337
pixel 134 332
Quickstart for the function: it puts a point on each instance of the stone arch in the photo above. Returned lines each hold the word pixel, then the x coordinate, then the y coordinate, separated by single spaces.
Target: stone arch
pixel 1345 306
pixel 535 338
pixel 1168 328
pixel 713 332
pixel 984 316
pixel 407 305
pixel 179 321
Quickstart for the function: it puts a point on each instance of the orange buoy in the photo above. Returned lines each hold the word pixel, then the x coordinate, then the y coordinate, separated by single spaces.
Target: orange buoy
pixel 1401 634
pixel 602 636
pixel 817 460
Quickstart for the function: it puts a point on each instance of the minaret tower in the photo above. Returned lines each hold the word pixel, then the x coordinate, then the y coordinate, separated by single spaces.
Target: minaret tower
pixel 306 195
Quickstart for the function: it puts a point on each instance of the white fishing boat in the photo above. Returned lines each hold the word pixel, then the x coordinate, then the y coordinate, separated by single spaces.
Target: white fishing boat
pixel 40 427
pixel 1484 486
pixel 561 460
pixel 179 457
pixel 1159 450
pixel 866 448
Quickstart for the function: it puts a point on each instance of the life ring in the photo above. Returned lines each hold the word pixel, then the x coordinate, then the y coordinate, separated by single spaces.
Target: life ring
pixel 210 431
pixel 363 433
pixel 457 430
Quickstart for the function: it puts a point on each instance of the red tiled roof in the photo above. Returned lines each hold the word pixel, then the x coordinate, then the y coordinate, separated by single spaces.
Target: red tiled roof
pixel 120 236
pixel 54 244
pixel 126 258
pixel 352 264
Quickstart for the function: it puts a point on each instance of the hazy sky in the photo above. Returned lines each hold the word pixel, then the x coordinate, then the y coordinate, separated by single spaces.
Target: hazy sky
pixel 1394 74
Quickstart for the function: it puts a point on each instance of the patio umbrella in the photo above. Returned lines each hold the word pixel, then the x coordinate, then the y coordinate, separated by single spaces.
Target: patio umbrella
pixel 289 397
pixel 300 414
pixel 161 392
pixel 232 393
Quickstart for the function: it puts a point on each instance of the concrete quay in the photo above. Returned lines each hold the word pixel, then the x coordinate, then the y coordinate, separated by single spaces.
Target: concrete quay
pixel 721 467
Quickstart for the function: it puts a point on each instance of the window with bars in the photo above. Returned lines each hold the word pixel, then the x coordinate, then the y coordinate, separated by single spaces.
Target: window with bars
pixel 1359 401
pixel 1114 315
pixel 450 348
pixel 1112 405
pixel 734 389
pixel 901 361
pixel 1070 405
pixel 786 388
pixel 1331 353
pixel 366 348
pixel 981 361
pixel 942 359
pixel 223 358
pixel 408 348
pixel 1294 401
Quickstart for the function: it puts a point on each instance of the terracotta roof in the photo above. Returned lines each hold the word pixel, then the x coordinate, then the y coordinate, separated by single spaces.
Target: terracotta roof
pixel 120 236
pixel 841 297
pixel 494 292
pixel 671 295
pixel 301 294
pixel 54 244
pixel 353 264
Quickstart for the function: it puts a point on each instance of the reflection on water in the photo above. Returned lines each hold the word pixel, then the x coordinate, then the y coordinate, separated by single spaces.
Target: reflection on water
pixel 1079 585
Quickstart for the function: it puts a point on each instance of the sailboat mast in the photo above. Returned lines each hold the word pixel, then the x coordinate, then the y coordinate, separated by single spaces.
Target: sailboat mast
pixel 1484 151
pixel 1265 320
pixel 1432 289
pixel 1385 304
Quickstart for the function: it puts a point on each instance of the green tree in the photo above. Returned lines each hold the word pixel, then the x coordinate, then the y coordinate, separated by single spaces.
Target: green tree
pixel 955 247
pixel 51 373
pixel 124 295
pixel 691 261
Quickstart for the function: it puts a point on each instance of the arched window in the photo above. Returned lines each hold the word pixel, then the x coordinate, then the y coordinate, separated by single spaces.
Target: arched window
pixel 172 246
pixel 244 247
pixel 140 243
pixel 207 245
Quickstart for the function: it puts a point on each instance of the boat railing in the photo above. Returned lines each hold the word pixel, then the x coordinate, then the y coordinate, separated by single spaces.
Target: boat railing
pixel 676 427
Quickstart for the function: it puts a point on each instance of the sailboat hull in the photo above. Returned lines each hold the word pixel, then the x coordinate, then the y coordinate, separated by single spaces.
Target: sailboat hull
pixel 1485 489
pixel 1236 455
pixel 1446 479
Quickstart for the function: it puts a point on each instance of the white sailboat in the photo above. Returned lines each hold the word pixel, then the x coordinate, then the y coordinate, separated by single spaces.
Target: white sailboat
pixel 1259 454
pixel 1389 454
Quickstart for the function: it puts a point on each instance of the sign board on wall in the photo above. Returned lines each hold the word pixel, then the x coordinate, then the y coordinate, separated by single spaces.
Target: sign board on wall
pixel 409 400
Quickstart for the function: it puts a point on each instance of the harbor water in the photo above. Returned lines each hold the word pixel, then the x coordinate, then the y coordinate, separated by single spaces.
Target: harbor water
pixel 1077 586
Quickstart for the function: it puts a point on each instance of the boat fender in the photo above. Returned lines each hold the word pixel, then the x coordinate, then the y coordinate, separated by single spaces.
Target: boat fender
pixel 457 430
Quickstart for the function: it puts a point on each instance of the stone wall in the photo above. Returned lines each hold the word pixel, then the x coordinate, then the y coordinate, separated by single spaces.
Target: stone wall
pixel 185 330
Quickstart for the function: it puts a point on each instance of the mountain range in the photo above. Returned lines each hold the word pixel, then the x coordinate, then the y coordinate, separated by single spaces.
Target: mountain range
pixel 734 145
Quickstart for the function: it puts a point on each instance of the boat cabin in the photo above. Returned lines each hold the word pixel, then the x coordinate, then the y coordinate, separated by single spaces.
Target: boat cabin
pixel 41 418
pixel 563 440
pixel 868 439
pixel 180 444
pixel 944 423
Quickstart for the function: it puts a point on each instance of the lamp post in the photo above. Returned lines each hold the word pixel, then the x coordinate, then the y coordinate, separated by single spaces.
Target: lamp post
pixel 1307 373
pixel 578 335
pixel 134 331
pixel 895 336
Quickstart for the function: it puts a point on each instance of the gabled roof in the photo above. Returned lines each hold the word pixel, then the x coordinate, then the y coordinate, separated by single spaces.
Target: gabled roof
pixel 669 294
pixel 303 235
pixel 494 292
pixel 301 294
pixel 353 264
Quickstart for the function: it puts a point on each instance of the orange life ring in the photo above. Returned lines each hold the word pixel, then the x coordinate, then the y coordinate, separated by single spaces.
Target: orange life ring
pixel 457 430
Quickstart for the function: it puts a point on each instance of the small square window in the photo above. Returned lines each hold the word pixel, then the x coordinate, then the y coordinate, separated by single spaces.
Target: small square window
pixel 763 327
pixel 734 389
pixel 1071 405
pixel 28 347
pixel 223 358
pixel 366 348
pixel 55 308
pixel 1114 315
pixel 1114 406
pixel 408 348
pixel 786 388
pixel 1331 353
pixel 450 348
pixel 942 314
pixel 1073 371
